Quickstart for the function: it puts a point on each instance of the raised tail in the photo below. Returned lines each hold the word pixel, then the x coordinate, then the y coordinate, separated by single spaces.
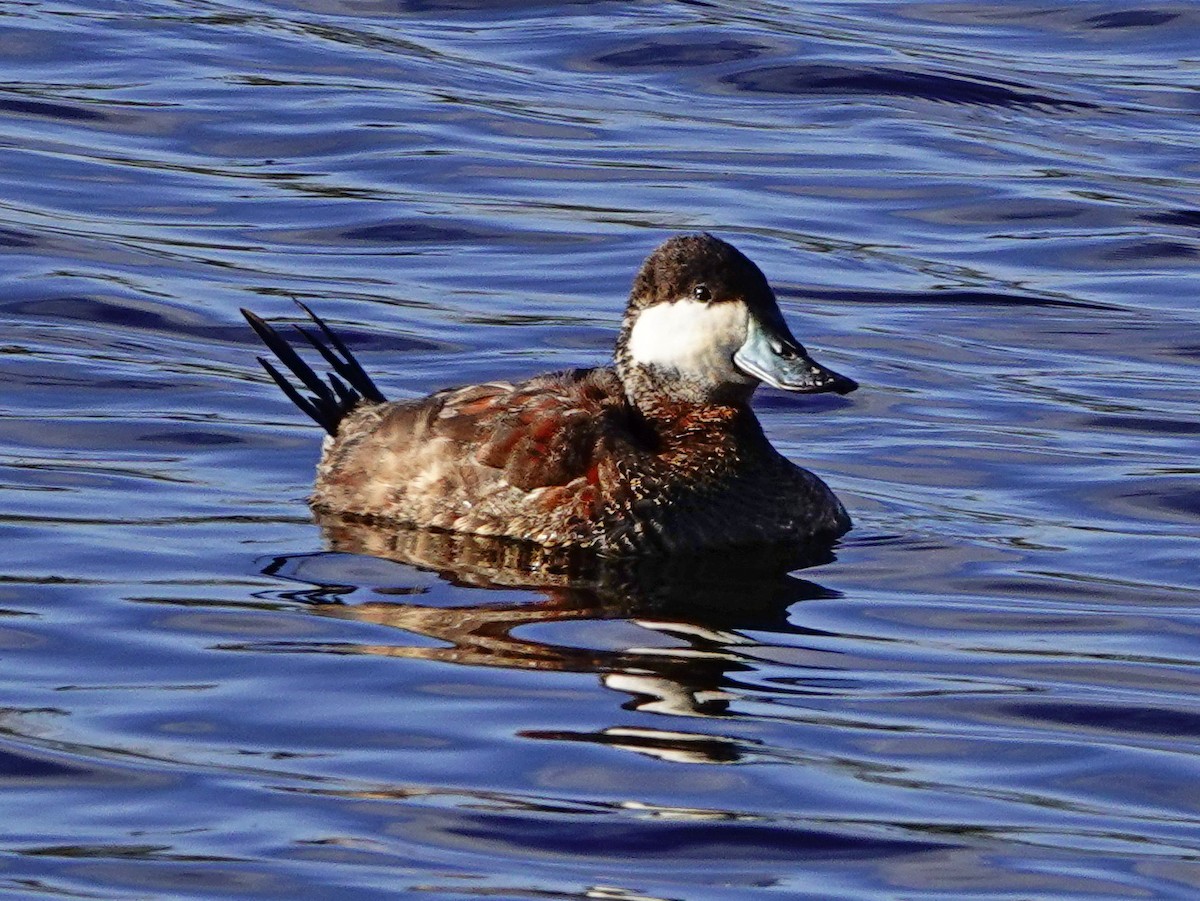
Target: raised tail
pixel 331 398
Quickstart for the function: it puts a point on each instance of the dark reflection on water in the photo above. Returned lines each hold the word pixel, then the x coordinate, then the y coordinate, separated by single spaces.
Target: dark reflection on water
pixel 1133 18
pixel 697 607
pixel 667 52
pixel 884 81
pixel 52 110
pixel 984 212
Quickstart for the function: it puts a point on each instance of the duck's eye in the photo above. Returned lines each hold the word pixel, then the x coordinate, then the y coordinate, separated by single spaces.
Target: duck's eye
pixel 702 293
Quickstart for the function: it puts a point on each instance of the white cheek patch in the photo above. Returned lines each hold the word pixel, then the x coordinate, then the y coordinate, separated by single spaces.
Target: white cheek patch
pixel 697 339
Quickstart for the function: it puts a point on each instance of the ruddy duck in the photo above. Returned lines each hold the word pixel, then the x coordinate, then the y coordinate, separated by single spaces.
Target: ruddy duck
pixel 660 453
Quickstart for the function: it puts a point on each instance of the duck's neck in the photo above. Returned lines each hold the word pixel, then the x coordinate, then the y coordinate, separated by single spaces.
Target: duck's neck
pixel 650 387
pixel 703 431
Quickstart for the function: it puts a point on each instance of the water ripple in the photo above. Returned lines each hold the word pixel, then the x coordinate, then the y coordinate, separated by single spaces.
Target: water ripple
pixel 941 87
pixel 984 212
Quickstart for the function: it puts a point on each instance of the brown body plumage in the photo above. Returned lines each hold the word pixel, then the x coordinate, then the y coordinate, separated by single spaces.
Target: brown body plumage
pixel 660 454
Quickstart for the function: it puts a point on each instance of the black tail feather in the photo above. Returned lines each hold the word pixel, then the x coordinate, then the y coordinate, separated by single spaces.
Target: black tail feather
pixel 346 366
pixel 295 396
pixel 329 401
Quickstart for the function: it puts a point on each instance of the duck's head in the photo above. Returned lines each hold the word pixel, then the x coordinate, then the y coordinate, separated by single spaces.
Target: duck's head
pixel 703 327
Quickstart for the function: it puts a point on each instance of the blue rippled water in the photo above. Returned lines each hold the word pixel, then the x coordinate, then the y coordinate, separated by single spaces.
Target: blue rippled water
pixel 984 212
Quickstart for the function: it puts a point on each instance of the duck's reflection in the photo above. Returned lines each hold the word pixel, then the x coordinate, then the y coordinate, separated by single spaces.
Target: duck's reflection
pixel 685 618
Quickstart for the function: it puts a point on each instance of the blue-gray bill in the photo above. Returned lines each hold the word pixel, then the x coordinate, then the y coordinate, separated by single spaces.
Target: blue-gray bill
pixel 773 356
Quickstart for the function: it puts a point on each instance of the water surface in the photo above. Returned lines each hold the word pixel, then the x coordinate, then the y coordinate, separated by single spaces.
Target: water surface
pixel 984 212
